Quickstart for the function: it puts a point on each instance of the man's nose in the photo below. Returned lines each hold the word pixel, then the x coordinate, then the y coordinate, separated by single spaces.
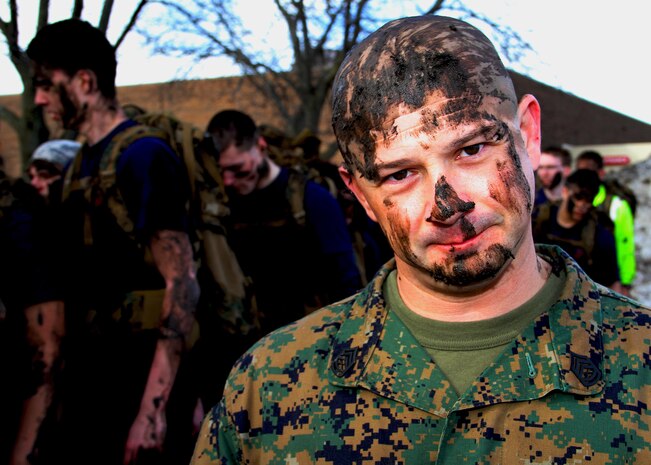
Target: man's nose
pixel 228 178
pixel 37 183
pixel 447 206
pixel 40 97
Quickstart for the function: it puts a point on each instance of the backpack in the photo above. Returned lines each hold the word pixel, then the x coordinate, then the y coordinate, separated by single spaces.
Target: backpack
pixel 541 218
pixel 285 152
pixel 614 187
pixel 225 290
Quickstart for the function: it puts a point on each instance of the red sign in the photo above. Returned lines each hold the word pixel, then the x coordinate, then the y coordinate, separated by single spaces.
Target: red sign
pixel 616 160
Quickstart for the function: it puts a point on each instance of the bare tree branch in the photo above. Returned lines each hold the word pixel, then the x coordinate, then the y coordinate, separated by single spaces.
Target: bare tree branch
pixel 106 15
pixel 10 31
pixel 438 4
pixel 300 93
pixel 131 24
pixel 10 28
pixel 510 43
pixel 43 14
pixel 319 34
pixel 332 21
pixel 77 9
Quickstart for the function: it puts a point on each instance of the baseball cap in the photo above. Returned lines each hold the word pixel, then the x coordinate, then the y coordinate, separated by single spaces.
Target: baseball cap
pixel 59 152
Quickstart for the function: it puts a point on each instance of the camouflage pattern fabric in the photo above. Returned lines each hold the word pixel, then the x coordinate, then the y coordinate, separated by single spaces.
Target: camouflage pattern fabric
pixel 349 384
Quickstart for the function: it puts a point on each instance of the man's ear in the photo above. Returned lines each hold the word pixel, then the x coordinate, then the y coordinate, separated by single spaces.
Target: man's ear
pixel 352 183
pixel 87 81
pixel 529 118
pixel 263 146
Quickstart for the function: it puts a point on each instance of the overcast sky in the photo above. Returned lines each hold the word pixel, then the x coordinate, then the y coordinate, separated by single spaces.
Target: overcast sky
pixel 595 49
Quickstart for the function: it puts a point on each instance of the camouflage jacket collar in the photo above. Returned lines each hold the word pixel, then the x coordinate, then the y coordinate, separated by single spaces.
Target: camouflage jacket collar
pixel 561 350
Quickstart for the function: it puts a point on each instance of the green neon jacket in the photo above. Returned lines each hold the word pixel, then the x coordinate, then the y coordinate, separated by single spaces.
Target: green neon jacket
pixel 620 213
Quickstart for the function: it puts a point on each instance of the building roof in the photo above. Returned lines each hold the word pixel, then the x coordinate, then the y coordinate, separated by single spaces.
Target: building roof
pixel 568 119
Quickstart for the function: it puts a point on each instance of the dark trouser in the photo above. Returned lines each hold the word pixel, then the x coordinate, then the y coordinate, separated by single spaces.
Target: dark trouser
pixel 104 379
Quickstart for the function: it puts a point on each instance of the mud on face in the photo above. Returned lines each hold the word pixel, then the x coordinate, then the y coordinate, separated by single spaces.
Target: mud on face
pixel 394 71
pixel 513 189
pixel 457 269
pixel 397 232
pixel 447 202
pixel 465 270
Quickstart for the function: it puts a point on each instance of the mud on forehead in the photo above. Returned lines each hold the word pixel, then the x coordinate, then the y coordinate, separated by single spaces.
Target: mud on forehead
pixel 403 63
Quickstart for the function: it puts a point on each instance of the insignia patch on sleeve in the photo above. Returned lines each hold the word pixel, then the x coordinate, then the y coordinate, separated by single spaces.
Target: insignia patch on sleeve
pixel 343 362
pixel 585 370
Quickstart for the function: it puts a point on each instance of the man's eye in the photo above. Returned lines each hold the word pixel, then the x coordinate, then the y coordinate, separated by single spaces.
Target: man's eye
pixel 397 176
pixel 471 150
pixel 42 83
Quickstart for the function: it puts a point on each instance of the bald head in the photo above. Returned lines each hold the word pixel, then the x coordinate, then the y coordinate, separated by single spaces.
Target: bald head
pixel 399 68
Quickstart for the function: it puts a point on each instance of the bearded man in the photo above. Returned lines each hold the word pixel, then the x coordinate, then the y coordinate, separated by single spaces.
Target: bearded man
pixel 471 346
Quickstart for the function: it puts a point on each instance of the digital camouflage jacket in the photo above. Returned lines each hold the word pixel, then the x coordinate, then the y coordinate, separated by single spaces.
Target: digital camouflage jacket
pixel 349 384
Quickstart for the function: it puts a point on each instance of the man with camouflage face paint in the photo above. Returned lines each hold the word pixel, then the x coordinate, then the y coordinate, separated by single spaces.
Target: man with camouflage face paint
pixel 472 346
pixel 440 144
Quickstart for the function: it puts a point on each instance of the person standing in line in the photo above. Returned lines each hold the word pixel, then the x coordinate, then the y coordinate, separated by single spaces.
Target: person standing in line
pixel 555 166
pixel 288 232
pixel 32 323
pixel 621 212
pixel 48 164
pixel 578 228
pixel 132 288
pixel 31 280
pixel 471 345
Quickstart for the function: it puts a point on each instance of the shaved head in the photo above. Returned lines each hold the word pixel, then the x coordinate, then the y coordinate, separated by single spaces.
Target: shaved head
pixel 403 65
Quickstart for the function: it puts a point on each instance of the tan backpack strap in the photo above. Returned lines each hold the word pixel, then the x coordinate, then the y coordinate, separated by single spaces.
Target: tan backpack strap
pixel 589 234
pixel 107 172
pixel 332 187
pixel 296 195
pixel 188 158
pixel 210 165
pixel 141 310
pixel 122 140
pixel 71 181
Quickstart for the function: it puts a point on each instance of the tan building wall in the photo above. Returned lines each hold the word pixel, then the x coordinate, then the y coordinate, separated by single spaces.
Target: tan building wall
pixel 195 101
pixel 198 100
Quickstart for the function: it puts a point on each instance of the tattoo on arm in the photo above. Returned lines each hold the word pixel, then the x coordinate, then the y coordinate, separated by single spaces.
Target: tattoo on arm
pixel 173 256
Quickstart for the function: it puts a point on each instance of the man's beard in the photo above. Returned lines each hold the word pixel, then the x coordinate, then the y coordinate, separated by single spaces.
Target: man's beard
pixel 263 169
pixel 472 268
pixel 556 180
pixel 72 116
pixel 457 269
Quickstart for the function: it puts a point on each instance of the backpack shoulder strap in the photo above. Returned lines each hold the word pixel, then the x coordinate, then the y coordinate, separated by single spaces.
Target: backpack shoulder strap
pixel 107 171
pixel 121 141
pixel 589 234
pixel 296 195
pixel 183 141
pixel 71 180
